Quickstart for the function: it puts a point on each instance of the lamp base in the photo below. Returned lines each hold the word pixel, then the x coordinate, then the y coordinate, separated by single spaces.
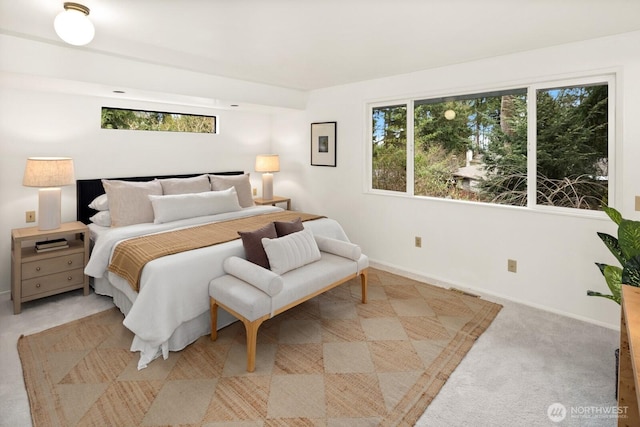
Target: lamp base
pixel 49 208
pixel 267 186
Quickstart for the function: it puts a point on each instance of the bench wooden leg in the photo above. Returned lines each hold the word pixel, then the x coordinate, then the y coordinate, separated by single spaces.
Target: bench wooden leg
pixel 213 305
pixel 252 339
pixel 363 280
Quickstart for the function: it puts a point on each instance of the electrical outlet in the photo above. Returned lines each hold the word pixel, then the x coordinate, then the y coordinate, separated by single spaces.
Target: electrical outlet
pixel 512 265
pixel 30 216
pixel 418 241
pixel 255 191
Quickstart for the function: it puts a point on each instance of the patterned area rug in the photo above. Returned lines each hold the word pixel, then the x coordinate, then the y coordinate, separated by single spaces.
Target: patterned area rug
pixel 331 361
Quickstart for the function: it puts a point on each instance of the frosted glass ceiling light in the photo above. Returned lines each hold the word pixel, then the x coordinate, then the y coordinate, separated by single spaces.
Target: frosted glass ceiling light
pixel 73 25
pixel 449 114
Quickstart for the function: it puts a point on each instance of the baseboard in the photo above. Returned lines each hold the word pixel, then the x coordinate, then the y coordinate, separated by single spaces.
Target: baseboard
pixel 487 295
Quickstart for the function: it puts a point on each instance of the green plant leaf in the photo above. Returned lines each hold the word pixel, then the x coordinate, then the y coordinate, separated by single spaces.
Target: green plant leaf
pixel 601 267
pixel 613 214
pixel 631 272
pixel 614 246
pixel 629 238
pixel 613 276
pixel 598 294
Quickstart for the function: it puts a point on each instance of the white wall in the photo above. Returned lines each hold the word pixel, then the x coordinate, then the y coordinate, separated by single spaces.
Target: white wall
pixel 464 244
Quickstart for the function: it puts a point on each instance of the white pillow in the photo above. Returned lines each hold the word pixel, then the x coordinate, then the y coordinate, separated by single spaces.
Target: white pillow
pixel 241 183
pixel 267 281
pixel 196 184
pixel 291 251
pixel 181 206
pixel 100 203
pixel 102 218
pixel 339 247
pixel 129 201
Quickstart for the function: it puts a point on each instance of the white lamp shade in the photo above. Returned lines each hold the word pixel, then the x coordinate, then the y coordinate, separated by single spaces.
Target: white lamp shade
pixel 74 26
pixel 268 163
pixel 48 172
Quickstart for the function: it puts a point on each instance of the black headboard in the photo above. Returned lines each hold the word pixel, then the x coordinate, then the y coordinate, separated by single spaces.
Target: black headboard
pixel 89 189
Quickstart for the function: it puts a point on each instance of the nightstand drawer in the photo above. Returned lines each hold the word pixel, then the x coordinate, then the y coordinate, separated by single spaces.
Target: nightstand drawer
pixel 52 282
pixel 52 265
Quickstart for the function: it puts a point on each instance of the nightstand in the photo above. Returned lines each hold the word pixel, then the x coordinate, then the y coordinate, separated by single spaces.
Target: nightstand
pixel 273 201
pixel 37 275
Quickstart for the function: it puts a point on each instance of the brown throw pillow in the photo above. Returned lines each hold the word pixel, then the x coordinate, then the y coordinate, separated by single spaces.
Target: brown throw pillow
pixel 252 242
pixel 287 227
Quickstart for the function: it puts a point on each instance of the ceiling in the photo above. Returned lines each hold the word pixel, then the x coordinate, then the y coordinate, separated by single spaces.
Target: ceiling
pixel 306 45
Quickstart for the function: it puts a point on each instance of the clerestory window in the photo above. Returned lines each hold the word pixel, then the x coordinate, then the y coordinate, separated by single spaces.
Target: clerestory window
pixel 122 118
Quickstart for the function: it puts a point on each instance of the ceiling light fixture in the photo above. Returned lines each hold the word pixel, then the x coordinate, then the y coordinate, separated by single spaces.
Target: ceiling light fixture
pixel 73 24
pixel 449 114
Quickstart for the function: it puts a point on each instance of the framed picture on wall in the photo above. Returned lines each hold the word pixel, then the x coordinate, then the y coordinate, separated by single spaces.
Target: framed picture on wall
pixel 323 144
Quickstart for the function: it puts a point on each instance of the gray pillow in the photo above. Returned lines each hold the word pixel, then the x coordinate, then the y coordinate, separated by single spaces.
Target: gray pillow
pixel 240 182
pixel 287 227
pixel 196 184
pixel 129 201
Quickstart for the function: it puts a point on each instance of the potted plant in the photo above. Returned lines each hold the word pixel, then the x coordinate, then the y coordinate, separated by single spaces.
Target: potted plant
pixel 626 249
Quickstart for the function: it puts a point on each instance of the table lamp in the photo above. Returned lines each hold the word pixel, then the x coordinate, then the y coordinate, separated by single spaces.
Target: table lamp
pixel 48 174
pixel 267 163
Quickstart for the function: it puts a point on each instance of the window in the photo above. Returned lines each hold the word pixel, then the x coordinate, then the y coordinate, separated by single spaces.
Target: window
pixel 390 148
pixel 572 146
pixel 536 145
pixel 120 118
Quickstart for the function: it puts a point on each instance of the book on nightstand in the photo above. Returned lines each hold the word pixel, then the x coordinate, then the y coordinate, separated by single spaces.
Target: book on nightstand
pixel 51 245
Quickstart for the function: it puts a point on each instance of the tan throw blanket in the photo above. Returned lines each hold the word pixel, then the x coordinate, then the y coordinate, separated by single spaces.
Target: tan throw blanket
pixel 130 256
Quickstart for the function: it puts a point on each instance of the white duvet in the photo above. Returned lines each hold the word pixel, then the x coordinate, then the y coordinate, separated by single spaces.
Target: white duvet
pixel 174 290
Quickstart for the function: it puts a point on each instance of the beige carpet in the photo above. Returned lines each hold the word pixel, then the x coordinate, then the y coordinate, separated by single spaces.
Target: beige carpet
pixel 330 362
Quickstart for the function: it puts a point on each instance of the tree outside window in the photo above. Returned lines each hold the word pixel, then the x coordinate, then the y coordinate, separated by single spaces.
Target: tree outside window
pixel 475 147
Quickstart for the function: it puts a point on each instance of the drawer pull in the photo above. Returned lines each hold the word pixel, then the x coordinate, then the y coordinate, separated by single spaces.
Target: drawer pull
pixel 70 278
pixel 69 262
pixel 37 285
pixel 37 268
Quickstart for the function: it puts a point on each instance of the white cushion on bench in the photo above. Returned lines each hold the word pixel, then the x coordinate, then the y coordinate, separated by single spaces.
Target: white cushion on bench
pixel 239 296
pixel 313 277
pixel 339 247
pixel 248 300
pixel 265 280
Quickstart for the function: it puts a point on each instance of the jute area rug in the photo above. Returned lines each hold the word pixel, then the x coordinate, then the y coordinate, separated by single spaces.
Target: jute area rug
pixel 331 361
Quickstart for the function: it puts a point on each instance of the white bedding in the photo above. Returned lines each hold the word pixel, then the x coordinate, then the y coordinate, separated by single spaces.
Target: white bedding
pixel 172 308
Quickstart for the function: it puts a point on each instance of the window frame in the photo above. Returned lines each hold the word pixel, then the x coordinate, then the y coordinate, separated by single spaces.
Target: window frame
pixel 608 77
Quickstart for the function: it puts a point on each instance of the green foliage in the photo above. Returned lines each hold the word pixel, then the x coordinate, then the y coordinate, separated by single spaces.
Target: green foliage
pixel 433 129
pixel 626 249
pixel 113 118
pixel 389 151
pixel 117 119
pixel 389 168
pixel 434 170
pixel 506 156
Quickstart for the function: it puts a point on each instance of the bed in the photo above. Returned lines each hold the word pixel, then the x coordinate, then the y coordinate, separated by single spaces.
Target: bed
pixel 171 308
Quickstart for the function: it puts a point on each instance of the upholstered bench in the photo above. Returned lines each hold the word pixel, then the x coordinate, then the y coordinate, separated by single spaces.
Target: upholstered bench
pixel 254 294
